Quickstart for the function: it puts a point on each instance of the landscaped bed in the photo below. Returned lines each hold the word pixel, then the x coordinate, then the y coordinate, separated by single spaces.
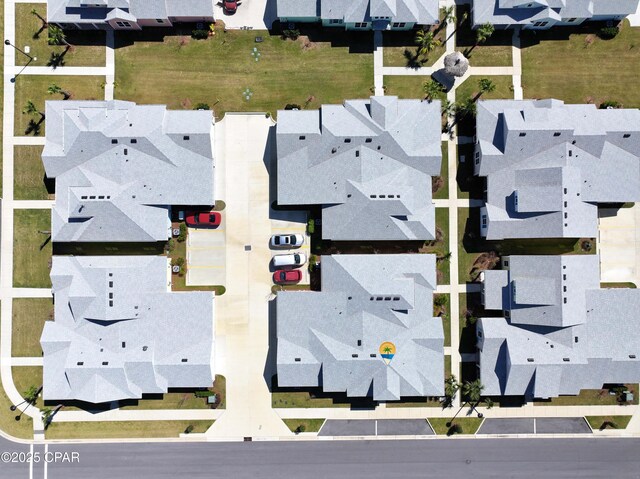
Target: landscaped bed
pixel 32 248
pixel 608 422
pixel 589 397
pixel 442 425
pixel 88 48
pixel 29 174
pixel 29 315
pixel 304 425
pixel 580 67
pixel 440 246
pixel 496 51
pixel 400 48
pixel 160 66
pixel 442 182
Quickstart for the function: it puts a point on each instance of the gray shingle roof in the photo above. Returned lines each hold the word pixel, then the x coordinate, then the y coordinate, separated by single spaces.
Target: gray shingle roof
pixel 545 350
pixel 120 333
pixel 333 338
pixel 527 12
pixel 422 12
pixel 99 11
pixel 368 162
pixel 548 165
pixel 119 166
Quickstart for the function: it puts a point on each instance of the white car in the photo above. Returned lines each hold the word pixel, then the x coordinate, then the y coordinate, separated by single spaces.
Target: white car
pixel 287 241
pixel 294 260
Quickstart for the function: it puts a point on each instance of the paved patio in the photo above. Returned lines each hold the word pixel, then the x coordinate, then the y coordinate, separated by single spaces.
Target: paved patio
pixel 619 236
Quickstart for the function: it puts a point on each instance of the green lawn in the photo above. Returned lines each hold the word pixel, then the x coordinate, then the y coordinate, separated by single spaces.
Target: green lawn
pixel 34 88
pixel 31 248
pixel 123 429
pixel 469 186
pixel 469 425
pixel 26 376
pixel 446 325
pixel 405 87
pixel 443 191
pixel 309 425
pixel 29 315
pixel 181 400
pixel 303 399
pixel 608 422
pixel 88 48
pixel 469 88
pixel 181 72
pixel 400 49
pixel 29 174
pixel 496 52
pixel 618 285
pixel 21 429
pixel 581 68
pixel 440 247
pixel 588 397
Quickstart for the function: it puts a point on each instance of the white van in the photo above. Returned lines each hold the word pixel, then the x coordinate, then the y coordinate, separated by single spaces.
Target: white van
pixel 294 260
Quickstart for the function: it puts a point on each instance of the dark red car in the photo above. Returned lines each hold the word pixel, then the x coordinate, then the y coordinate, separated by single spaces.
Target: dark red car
pixel 230 6
pixel 203 219
pixel 287 277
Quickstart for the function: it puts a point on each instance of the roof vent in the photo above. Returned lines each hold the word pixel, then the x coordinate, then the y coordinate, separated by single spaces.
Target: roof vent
pixel 632 356
pixel 566 360
pixel 530 360
pixel 105 363
pixel 368 140
pixel 134 141
pixel 124 345
pixel 575 339
pixel 185 137
pixel 347 140
pixel 184 360
pixel 144 348
pixel 626 135
pixel 126 152
pixel 297 360
pixel 357 153
pixel 355 355
pixel 523 134
pixel 80 363
pixel 333 150
pixel 359 342
pixel 114 141
pixel 557 133
pixel 302 137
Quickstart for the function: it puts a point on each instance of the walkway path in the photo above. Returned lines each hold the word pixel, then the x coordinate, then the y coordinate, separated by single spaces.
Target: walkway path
pixel 377 64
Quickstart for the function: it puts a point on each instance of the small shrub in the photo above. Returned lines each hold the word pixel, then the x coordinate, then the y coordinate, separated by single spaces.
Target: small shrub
pixel 292 106
pixel 202 106
pixel 171 244
pixel 439 299
pixel 200 34
pixel 291 34
pixel 301 428
pixel 311 226
pixel 454 429
pixel 178 262
pixel 188 429
pixel 183 233
pixel 608 424
pixel 610 104
pixel 607 33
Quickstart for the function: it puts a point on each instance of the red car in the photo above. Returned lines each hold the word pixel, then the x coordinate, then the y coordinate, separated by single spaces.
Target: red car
pixel 287 277
pixel 230 6
pixel 203 219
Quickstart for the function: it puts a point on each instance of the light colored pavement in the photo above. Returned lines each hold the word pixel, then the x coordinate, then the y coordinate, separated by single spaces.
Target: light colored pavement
pixel 140 415
pixel 206 257
pixel 31 293
pixel 31 204
pixel 517 66
pixel 29 140
pixel 111 65
pixel 242 313
pixel 26 361
pixel 618 245
pixel 62 71
pixel 378 75
pixel 251 15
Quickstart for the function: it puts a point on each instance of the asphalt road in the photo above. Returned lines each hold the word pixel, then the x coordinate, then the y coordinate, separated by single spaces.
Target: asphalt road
pixel 454 458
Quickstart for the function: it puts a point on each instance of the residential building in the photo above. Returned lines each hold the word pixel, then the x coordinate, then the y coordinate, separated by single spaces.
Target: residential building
pixel 119 168
pixel 560 333
pixel 360 14
pixel 370 331
pixel 544 14
pixel 369 164
pixel 549 165
pixel 119 332
pixel 127 14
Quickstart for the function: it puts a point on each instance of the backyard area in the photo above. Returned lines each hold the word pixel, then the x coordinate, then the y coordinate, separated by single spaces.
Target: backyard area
pixel 441 184
pixel 29 174
pixel 590 397
pixel 400 48
pixel 440 246
pixel 29 315
pixel 32 248
pixel 469 88
pixel 495 52
pixel 226 72
pixel 181 400
pixel 86 48
pixel 34 88
pixel 578 67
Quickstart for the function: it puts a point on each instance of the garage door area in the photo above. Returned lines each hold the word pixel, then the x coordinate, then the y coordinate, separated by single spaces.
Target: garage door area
pixel 619 236
pixel 206 258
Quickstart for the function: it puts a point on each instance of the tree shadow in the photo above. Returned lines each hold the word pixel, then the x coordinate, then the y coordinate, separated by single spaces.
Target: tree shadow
pixel 57 59
pixel 46 242
pixel 34 127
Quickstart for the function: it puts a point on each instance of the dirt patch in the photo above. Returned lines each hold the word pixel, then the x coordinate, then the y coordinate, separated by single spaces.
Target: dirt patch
pixel 483 262
pixel 589 39
pixel 186 103
pixel 305 43
pixel 436 184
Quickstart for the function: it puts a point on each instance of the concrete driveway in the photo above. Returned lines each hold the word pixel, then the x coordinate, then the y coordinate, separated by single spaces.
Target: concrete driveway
pixel 251 15
pixel 618 245
pixel 206 256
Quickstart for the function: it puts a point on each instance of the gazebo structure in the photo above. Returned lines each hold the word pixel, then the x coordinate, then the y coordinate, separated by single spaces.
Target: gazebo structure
pixel 456 64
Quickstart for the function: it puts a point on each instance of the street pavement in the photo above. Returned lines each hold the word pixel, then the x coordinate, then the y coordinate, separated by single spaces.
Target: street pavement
pixel 486 458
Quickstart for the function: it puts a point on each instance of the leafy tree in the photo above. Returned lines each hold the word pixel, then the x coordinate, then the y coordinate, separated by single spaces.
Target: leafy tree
pixel 31 394
pixel 449 14
pixel 439 300
pixel 55 89
pixel 448 107
pixel 486 85
pixel 432 89
pixel 466 107
pixel 488 402
pixel 30 108
pixel 451 386
pixel 426 42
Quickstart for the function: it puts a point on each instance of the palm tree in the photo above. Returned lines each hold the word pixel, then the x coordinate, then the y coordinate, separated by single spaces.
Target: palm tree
pixel 432 89
pixel 448 107
pixel 30 108
pixel 485 86
pixel 484 32
pixel 426 42
pixel 55 89
pixel 449 14
pixel 451 386
pixel 48 414
pixel 444 257
pixel 57 36
pixel 31 394
pixel 43 23
pixel 473 391
pixel 466 107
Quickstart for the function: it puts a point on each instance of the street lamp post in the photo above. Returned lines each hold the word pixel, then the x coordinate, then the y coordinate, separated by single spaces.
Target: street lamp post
pixel 31 59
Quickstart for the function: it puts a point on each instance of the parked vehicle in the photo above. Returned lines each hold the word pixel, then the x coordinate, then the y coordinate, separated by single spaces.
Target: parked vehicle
pixel 287 277
pixel 287 241
pixel 203 219
pixel 294 260
pixel 230 6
